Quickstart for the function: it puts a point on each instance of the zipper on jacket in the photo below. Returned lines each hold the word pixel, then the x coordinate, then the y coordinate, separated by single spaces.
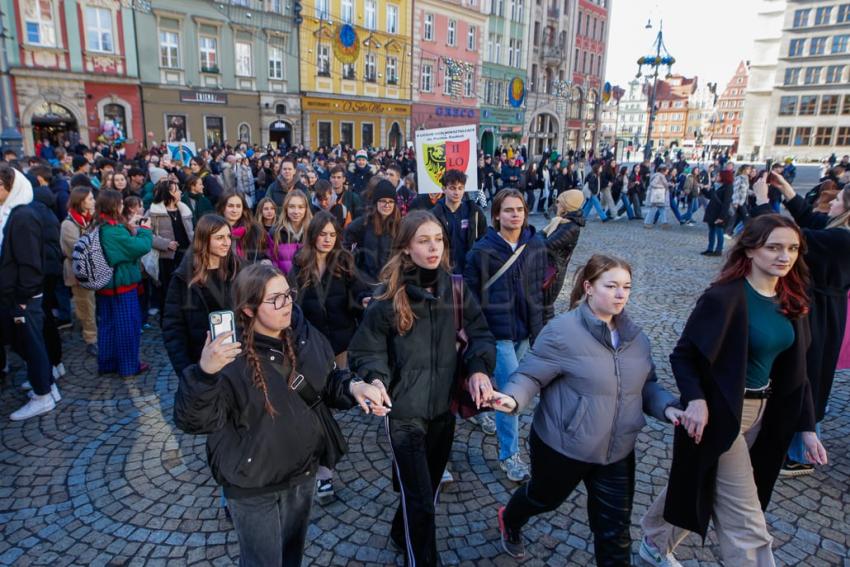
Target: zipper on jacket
pixel 617 406
pixel 433 346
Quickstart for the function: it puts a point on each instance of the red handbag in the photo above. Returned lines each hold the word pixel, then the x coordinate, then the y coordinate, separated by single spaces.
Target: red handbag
pixel 461 405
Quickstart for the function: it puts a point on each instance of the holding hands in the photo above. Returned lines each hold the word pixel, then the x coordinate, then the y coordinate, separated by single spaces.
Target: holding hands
pixel 694 419
pixel 372 398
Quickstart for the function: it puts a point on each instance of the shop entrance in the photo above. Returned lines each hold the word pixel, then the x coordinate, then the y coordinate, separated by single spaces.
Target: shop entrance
pixel 394 140
pixel 280 133
pixel 55 123
pixel 488 142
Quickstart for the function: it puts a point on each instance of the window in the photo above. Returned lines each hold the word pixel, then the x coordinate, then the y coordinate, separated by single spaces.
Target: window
pixel 324 133
pixel 367 134
pixel 845 107
pixel 370 68
pixel 323 61
pixel 803 136
pixel 169 49
pixel 829 104
pixel 323 9
pixel 280 109
pixel 812 75
pixel 427 77
pixel 214 128
pixel 99 29
pixel 843 136
pixel 428 32
pixel 823 136
pixel 843 14
pixel 370 15
pixel 451 37
pixel 447 84
pixel 209 53
pixel 782 137
pixel 275 62
pixel 511 53
pixel 520 10
pixel 348 71
pixel 808 105
pixel 117 114
pixel 467 83
pixel 822 15
pixel 392 19
pixel 498 50
pixel 788 106
pixel 392 70
pixel 488 91
pixel 38 23
pixel 470 38
pixel 839 43
pixel 244 59
pixel 817 46
pixel 348 11
pixel 834 73
pixel 497 94
pixel 517 51
pixel 244 133
pixel 346 130
pixel 792 76
pixel 801 18
pixel 536 34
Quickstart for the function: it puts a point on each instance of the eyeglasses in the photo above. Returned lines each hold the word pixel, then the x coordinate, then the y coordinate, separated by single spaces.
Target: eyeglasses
pixel 281 300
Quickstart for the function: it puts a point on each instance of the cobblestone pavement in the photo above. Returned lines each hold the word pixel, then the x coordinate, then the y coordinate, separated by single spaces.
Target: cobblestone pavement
pixel 107 479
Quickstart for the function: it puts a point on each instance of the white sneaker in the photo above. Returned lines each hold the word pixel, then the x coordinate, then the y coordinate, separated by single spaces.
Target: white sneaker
pixel 153 311
pixel 447 476
pixel 59 371
pixel 651 555
pixel 54 393
pixel 26 386
pixel 516 470
pixel 37 406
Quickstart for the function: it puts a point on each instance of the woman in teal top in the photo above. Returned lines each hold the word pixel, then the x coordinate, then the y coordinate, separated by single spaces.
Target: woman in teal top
pixel 770 333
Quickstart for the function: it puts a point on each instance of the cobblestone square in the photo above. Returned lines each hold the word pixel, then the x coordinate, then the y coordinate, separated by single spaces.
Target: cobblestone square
pixel 106 479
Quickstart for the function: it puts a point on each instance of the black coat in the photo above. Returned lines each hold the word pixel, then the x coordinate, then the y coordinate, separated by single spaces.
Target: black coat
pixel 828 257
pixel 44 202
pixel 476 229
pixel 560 246
pixel 248 451
pixel 334 306
pixel 212 188
pixel 719 201
pixel 710 362
pixel 418 368
pixel 371 251
pixel 21 257
pixel 185 318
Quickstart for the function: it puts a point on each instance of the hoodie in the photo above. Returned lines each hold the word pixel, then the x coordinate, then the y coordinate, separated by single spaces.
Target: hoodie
pixel 21 246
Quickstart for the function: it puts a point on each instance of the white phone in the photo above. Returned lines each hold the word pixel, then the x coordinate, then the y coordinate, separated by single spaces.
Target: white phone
pixel 221 322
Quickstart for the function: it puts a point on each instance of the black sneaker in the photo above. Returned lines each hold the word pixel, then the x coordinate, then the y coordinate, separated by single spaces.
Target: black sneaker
pixel 511 539
pixel 792 468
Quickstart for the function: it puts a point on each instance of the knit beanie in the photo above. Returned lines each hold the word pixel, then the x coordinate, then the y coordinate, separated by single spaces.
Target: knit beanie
pixel 384 190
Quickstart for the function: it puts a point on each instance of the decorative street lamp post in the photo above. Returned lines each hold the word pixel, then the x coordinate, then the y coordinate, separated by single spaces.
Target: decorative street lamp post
pixel 653 63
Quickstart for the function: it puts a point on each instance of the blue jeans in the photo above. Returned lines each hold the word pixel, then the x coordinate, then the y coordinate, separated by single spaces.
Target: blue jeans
pixel 508 355
pixel 593 202
pixel 674 204
pixel 715 238
pixel 797 450
pixel 652 210
pixel 624 197
pixel 693 207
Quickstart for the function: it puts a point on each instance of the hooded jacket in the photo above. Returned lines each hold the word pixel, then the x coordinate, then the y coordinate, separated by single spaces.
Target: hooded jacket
pixel 44 202
pixel 21 246
pixel 560 245
pixel 358 177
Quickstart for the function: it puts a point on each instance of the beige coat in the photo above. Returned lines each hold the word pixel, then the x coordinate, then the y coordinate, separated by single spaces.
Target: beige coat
pixel 70 233
pixel 163 232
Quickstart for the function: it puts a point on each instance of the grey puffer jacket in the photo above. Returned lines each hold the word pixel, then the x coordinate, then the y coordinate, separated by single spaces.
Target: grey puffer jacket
pixel 592 396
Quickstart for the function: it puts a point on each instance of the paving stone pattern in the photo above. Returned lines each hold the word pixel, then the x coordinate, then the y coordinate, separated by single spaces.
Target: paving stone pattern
pixel 106 479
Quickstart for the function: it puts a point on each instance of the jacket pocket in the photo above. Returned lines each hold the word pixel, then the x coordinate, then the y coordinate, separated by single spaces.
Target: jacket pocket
pixel 572 425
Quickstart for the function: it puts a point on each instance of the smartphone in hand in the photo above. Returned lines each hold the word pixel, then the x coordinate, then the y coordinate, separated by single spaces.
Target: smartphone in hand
pixel 221 322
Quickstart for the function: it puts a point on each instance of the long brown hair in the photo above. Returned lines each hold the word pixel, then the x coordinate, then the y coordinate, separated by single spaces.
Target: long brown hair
pixel 249 289
pixel 496 207
pixel 791 289
pixel 340 262
pixel 208 225
pixel 78 195
pixel 592 271
pixel 254 234
pixel 842 220
pixel 283 225
pixel 392 275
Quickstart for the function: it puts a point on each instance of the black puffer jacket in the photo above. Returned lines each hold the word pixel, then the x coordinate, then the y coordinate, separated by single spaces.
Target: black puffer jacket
pixel 334 306
pixel 371 251
pixel 248 451
pixel 418 368
pixel 560 246
pixel 44 203
pixel 21 260
pixel 185 320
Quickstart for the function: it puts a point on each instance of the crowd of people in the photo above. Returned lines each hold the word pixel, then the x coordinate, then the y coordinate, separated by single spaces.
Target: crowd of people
pixel 348 288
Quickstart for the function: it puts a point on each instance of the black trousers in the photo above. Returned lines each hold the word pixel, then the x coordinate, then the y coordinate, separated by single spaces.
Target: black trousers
pixel 52 340
pixel 610 491
pixel 420 452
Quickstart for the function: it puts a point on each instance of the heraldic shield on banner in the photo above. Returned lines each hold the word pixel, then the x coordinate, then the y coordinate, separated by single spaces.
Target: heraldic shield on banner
pixel 440 149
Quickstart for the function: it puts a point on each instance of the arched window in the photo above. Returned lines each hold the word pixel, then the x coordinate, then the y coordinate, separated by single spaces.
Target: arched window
pixel 280 109
pixel 117 114
pixel 245 133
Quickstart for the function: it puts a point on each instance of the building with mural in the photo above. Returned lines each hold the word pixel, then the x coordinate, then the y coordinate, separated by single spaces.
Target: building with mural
pixel 356 73
pixel 74 70
pixel 447 55
pixel 503 77
pixel 220 72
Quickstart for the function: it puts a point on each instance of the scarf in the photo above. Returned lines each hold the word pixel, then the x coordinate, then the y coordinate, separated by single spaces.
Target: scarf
pixel 20 194
pixel 81 219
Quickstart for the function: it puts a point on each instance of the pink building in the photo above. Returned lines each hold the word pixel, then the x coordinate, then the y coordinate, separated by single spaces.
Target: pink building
pixel 447 55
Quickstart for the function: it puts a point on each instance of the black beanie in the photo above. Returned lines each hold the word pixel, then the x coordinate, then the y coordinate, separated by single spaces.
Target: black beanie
pixel 383 190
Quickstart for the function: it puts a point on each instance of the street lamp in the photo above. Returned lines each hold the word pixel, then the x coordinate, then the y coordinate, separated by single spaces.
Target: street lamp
pixel 653 63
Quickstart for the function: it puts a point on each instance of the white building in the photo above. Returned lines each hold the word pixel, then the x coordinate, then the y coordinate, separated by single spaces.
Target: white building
pixel 798 101
pixel 633 117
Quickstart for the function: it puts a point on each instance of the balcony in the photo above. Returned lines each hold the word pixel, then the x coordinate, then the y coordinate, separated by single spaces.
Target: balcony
pixel 553 53
pixel 553 13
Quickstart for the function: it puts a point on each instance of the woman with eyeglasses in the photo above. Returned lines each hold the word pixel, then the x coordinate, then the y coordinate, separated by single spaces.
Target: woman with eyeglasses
pixel 370 237
pixel 261 401
pixel 171 223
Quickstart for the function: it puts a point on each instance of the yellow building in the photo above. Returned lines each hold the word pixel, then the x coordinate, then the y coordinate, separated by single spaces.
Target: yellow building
pixel 355 72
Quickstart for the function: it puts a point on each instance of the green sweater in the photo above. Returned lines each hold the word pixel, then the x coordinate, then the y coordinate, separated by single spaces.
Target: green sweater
pixel 770 333
pixel 123 251
pixel 199 204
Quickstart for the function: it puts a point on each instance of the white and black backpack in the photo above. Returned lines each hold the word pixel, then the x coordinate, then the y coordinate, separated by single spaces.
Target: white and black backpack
pixel 89 262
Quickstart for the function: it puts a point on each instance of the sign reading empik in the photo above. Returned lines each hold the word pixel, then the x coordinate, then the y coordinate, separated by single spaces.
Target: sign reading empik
pixel 440 149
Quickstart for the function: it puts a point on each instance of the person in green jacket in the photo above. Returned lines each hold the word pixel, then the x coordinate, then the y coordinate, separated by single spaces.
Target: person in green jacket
pixel 193 196
pixel 118 315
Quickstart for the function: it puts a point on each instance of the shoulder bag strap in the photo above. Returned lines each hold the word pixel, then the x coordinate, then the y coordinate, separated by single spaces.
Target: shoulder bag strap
pixel 505 267
pixel 457 300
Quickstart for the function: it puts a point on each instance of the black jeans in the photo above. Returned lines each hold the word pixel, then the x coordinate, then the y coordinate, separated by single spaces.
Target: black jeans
pixel 272 527
pixel 52 340
pixel 610 491
pixel 27 339
pixel 420 452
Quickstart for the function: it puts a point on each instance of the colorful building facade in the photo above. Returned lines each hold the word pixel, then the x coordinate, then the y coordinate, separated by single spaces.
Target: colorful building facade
pixel 590 50
pixel 356 73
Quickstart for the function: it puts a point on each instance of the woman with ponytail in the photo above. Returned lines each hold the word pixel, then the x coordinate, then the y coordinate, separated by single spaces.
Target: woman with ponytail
pixel 594 390
pixel 265 441
pixel 407 342
pixel 740 366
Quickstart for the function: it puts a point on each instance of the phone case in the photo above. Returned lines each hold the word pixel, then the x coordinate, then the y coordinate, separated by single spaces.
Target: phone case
pixel 221 322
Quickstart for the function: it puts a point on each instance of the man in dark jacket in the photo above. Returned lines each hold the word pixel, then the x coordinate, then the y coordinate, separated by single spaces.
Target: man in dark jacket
pixel 360 172
pixel 349 199
pixel 511 174
pixel 463 220
pixel 285 182
pixel 21 288
pixel 44 203
pixel 505 271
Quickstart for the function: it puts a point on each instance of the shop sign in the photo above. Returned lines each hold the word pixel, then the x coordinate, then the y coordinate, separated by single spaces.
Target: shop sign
pixel 455 111
pixel 203 97
pixel 354 106
pixel 280 125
